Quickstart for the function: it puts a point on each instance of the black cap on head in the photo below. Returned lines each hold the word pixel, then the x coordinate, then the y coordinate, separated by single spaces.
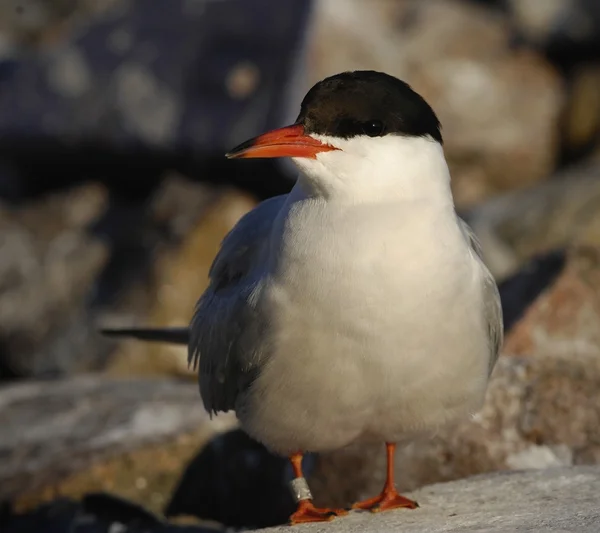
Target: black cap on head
pixel 367 103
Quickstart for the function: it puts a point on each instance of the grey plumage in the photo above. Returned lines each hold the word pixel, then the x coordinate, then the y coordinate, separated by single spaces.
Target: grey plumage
pixel 225 327
pixel 491 297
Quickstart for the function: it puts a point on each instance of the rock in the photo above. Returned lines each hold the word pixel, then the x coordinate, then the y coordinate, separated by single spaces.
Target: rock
pixel 69 258
pixel 79 257
pixel 48 266
pixel 127 49
pixel 109 85
pixel 557 499
pixel 564 319
pixel 94 434
pixel 494 503
pixel 499 107
pixel 137 234
pixel 535 20
pixel 180 276
pixel 519 225
pixel 237 482
pixel 519 291
pixel 580 122
pixel 568 31
pixel 96 513
pixel 540 409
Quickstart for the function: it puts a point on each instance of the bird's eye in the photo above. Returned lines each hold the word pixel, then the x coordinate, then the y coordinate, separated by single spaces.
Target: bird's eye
pixel 373 128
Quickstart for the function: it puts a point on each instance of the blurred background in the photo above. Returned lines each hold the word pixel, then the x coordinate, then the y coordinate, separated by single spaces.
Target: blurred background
pixel 115 194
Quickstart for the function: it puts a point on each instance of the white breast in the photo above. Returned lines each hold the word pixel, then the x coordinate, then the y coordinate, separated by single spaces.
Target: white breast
pixel 376 327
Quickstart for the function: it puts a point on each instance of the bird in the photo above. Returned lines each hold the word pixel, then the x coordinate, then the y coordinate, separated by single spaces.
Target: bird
pixel 356 307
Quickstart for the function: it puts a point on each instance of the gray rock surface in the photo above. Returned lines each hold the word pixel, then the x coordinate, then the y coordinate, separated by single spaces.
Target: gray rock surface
pixel 51 429
pixel 555 214
pixel 556 499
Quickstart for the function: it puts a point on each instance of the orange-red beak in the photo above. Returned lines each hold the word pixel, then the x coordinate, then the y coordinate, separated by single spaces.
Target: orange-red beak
pixel 283 142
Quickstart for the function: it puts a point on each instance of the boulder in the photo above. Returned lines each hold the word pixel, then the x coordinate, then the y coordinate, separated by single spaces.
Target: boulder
pixel 49 263
pixel 519 291
pixel 107 89
pixel 179 275
pixel 580 121
pixel 117 72
pixel 563 321
pixel 499 106
pixel 95 513
pixel 94 434
pixel 519 225
pixel 237 482
pixel 71 259
pixel 568 31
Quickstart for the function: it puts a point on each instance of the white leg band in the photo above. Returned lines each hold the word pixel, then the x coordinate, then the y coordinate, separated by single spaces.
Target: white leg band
pixel 300 489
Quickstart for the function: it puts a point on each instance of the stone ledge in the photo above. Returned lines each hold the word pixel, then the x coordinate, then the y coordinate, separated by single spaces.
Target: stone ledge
pixel 556 499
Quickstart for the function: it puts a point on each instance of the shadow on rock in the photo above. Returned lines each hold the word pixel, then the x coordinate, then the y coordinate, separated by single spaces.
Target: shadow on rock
pixel 237 482
pixel 519 291
pixel 97 513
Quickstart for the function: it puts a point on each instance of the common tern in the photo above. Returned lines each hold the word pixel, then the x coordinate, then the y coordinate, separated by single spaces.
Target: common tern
pixel 357 306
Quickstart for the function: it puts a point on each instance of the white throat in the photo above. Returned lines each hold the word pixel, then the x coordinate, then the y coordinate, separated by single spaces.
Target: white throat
pixel 374 169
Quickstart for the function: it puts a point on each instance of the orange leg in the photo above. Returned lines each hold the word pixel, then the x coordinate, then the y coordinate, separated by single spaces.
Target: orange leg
pixel 389 497
pixel 306 511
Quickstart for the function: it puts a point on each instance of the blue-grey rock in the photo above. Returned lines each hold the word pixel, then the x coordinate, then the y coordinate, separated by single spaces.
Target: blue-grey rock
pixel 96 513
pixel 237 482
pixel 194 75
pixel 135 89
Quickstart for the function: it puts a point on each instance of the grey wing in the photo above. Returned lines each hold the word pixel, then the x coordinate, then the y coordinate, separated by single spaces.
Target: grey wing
pixel 492 305
pixel 226 328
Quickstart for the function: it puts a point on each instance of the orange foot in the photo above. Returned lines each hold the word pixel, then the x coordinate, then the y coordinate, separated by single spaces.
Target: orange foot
pixel 307 512
pixel 388 499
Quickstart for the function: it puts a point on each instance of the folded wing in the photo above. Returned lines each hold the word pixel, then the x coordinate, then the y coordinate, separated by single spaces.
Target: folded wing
pixel 492 306
pixel 226 326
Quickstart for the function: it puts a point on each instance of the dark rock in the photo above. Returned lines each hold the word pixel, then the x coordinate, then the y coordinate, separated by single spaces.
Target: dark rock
pixel 237 482
pixel 519 291
pixel 167 76
pixel 129 91
pixel 106 514
pixel 564 319
pixel 568 31
pixel 58 517
pixel 110 508
pixel 580 120
pixel 179 274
